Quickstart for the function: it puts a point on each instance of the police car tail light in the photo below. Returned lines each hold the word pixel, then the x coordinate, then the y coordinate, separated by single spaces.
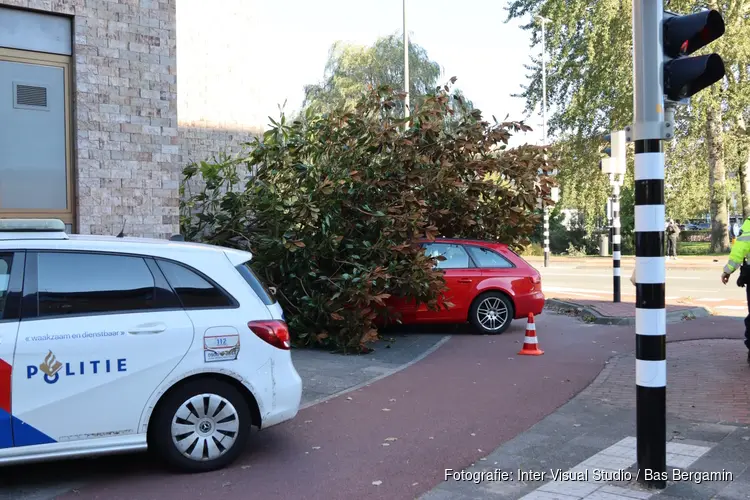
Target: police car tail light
pixel 274 332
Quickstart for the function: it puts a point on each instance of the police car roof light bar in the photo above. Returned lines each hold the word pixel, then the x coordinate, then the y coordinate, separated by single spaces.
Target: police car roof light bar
pixel 32 226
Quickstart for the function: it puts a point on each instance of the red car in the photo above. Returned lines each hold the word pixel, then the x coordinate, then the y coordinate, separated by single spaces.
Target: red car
pixel 488 284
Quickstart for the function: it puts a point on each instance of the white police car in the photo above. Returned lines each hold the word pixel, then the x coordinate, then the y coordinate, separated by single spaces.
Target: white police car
pixel 114 345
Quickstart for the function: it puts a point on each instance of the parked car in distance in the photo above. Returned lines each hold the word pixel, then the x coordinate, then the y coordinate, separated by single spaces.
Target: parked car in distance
pixel 488 284
pixel 112 345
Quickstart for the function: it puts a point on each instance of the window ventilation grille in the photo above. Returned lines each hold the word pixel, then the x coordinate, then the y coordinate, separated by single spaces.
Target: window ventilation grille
pixel 30 96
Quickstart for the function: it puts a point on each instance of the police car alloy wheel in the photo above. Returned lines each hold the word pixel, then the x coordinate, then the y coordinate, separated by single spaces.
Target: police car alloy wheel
pixel 201 426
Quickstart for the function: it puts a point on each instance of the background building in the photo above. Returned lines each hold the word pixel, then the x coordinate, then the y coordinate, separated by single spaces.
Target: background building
pixel 102 103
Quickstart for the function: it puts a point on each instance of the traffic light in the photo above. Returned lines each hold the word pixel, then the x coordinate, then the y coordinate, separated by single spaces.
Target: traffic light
pixel 681 36
pixel 606 162
pixel 615 162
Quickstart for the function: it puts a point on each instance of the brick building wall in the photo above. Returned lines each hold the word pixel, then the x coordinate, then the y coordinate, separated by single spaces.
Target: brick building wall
pixel 126 151
pixel 216 79
pixel 157 84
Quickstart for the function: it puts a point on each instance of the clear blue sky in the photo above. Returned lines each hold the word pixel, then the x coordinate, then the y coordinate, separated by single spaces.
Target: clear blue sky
pixel 470 40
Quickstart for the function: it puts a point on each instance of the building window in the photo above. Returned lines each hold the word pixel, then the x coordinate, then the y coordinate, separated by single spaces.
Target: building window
pixel 36 153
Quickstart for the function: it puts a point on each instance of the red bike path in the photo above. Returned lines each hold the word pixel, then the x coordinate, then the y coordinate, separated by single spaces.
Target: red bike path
pixel 446 411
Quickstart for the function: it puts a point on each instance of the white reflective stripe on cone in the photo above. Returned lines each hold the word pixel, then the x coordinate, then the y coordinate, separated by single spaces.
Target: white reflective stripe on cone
pixel 530 326
pixel 530 340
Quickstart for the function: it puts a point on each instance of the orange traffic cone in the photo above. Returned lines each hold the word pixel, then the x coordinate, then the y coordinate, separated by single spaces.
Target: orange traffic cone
pixel 530 343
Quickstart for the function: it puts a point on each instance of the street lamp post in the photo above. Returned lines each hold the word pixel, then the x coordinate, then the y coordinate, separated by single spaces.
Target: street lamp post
pixel 544 131
pixel 406 65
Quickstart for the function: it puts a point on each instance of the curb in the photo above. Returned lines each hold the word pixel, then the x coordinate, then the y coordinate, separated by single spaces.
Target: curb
pixel 353 388
pixel 599 319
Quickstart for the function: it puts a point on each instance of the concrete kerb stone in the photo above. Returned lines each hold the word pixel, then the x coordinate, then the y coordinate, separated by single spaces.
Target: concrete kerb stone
pixel 591 315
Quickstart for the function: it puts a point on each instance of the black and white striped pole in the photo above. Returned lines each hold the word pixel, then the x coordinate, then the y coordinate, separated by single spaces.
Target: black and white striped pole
pixel 616 241
pixel 660 74
pixel 614 165
pixel 650 265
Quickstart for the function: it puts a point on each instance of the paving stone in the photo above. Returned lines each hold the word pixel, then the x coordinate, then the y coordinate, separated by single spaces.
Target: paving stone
pixel 725 452
pixel 543 495
pixel 602 495
pixel 594 441
pixel 704 365
pixel 572 488
pixel 567 456
pixel 626 492
pixel 707 464
pixel 521 443
pixel 736 490
pixel 692 491
pixel 695 442
pixel 690 450
pixel 705 431
pixel 506 489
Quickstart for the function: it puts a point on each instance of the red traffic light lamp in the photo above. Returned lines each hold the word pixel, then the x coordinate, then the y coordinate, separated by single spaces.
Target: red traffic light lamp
pixel 682 36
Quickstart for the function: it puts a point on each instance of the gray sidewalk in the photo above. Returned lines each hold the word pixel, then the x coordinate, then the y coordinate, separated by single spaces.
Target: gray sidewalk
pixel 326 375
pixel 708 433
pixel 589 438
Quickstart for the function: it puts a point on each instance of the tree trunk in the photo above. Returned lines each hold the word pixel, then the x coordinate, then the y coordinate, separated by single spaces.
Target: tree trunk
pixel 745 185
pixel 717 182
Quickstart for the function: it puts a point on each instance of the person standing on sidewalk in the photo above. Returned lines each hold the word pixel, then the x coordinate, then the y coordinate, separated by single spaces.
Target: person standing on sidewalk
pixel 738 259
pixel 673 230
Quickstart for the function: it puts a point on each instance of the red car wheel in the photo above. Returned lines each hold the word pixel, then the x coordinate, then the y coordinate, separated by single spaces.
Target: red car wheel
pixel 491 313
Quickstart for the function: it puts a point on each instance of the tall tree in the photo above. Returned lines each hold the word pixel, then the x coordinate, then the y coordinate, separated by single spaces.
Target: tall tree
pixel 590 90
pixel 352 69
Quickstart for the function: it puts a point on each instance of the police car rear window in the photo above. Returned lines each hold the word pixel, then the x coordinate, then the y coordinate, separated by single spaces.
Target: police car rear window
pixel 256 284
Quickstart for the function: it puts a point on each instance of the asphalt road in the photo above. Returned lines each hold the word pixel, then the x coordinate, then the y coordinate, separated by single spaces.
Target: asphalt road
pixel 391 439
pixel 699 286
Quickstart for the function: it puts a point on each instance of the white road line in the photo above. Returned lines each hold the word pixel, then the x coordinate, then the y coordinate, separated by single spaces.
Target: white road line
pixel 711 300
pixel 583 295
pixel 591 293
pixel 624 272
pixel 573 290
pixel 588 291
pixel 733 308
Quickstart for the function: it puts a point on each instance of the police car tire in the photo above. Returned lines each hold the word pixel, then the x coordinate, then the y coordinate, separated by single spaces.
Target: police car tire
pixel 160 438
